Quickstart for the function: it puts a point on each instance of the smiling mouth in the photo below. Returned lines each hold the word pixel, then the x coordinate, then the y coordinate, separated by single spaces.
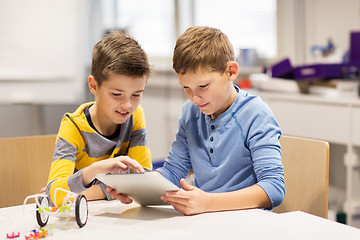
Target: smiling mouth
pixel 202 105
pixel 122 113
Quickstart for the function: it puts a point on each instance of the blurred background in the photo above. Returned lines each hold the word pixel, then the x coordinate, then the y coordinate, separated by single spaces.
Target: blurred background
pixel 46 46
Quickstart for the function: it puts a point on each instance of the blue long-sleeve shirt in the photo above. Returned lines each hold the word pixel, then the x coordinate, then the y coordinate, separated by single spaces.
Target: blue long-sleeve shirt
pixel 236 150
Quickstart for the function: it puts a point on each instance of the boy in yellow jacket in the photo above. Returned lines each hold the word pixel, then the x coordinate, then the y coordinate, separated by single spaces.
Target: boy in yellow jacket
pixel 107 135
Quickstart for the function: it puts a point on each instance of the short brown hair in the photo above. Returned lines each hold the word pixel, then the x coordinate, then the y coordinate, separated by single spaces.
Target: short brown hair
pixel 118 53
pixel 204 47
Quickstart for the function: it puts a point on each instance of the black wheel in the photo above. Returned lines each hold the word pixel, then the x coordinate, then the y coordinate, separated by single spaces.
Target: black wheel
pixel 81 210
pixel 42 218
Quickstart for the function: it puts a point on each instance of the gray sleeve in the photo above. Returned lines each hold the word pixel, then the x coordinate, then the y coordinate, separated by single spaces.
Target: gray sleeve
pixel 103 188
pixel 75 182
pixel 138 138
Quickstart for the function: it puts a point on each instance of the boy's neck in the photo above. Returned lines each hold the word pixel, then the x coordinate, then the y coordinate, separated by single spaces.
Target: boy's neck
pixel 104 127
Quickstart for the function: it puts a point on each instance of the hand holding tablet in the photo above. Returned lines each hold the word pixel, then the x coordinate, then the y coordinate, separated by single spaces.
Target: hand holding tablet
pixel 144 188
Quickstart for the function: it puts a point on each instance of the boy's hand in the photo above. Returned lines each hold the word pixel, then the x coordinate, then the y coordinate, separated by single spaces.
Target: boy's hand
pixel 119 164
pixel 43 190
pixel 189 202
pixel 113 165
pixel 115 194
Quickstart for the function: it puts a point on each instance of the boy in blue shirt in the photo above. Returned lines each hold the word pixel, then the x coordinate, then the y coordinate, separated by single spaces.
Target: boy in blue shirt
pixel 228 137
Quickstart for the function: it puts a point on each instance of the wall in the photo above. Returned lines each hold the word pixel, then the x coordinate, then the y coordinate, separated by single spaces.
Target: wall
pixel 332 19
pixel 42 49
pixel 304 23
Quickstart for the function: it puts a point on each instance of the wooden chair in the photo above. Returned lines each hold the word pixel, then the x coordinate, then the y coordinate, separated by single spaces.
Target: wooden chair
pixel 24 167
pixel 306 169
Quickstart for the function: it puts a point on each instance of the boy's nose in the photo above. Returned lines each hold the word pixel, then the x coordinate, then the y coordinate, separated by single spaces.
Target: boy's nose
pixel 125 105
pixel 196 98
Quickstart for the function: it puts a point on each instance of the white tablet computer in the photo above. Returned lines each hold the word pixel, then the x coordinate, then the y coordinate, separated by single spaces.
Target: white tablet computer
pixel 144 188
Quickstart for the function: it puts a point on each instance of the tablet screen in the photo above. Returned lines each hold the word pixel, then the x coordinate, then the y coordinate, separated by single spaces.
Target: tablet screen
pixel 144 188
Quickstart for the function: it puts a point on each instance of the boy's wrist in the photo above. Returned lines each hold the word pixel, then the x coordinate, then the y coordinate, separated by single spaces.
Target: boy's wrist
pixel 215 202
pixel 89 174
pixel 209 202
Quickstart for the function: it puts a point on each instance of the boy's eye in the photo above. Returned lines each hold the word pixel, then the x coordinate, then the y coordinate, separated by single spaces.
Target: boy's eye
pixel 136 95
pixel 116 94
pixel 204 86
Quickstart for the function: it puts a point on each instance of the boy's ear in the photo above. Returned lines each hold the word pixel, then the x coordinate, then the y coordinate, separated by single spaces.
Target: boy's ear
pixel 92 84
pixel 233 70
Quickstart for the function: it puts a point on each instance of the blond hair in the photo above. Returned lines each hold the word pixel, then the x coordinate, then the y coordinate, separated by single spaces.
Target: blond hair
pixel 118 53
pixel 202 47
